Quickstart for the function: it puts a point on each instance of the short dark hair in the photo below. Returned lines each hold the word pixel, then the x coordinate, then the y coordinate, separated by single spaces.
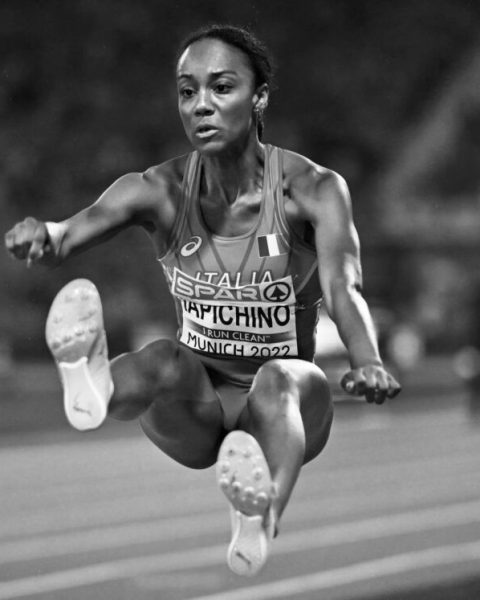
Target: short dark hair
pixel 259 57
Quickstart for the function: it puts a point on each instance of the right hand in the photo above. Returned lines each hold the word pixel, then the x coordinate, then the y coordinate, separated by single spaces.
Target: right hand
pixel 28 240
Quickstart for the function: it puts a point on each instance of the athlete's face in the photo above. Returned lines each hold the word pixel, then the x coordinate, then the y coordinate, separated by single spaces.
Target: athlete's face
pixel 216 95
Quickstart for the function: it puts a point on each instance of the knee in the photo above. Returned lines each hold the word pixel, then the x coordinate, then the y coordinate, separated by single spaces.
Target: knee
pixel 277 390
pixel 273 389
pixel 275 376
pixel 159 364
pixel 139 377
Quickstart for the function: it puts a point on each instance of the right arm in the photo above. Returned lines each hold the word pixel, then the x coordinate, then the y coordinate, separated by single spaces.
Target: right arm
pixel 131 200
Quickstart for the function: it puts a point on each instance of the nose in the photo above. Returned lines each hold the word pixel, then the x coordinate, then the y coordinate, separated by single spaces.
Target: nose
pixel 203 105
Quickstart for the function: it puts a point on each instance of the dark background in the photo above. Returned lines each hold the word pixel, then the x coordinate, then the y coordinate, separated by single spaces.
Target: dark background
pixel 383 92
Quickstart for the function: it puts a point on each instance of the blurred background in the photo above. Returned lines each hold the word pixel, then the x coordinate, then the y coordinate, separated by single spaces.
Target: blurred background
pixel 386 93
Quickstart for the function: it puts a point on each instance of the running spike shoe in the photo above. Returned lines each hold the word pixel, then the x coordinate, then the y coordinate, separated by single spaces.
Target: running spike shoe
pixel 244 477
pixel 76 338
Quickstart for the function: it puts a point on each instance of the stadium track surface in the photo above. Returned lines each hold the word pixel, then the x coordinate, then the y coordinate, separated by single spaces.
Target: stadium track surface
pixel 390 510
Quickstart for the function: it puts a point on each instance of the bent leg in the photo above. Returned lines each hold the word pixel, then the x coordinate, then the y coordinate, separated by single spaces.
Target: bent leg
pixel 167 387
pixel 163 384
pixel 289 412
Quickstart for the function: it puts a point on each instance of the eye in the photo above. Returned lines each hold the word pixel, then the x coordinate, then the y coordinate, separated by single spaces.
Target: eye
pixel 186 92
pixel 223 88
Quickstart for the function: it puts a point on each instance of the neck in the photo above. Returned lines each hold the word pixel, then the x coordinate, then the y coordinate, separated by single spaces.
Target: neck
pixel 234 173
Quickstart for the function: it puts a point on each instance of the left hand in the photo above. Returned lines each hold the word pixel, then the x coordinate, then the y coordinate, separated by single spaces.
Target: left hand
pixel 371 381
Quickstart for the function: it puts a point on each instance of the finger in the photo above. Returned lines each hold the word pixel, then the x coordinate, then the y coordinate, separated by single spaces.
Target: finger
pixel 23 249
pixel 347 382
pixel 17 240
pixel 371 379
pixel 377 377
pixel 21 244
pixel 361 387
pixel 394 388
pixel 9 237
pixel 23 236
pixel 352 384
pixel 380 396
pixel 376 395
pixel 394 391
pixel 350 387
pixel 38 243
pixel 377 385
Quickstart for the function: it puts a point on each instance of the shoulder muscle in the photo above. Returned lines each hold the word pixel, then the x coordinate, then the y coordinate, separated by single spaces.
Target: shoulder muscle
pixel 316 190
pixel 149 198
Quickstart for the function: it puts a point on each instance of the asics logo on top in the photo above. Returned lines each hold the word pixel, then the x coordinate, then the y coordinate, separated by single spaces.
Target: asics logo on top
pixel 191 247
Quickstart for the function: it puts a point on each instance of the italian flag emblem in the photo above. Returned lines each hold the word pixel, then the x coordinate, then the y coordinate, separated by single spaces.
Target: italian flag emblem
pixel 271 245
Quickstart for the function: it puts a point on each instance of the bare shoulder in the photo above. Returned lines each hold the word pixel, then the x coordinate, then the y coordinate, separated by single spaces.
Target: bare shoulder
pixel 166 176
pixel 154 193
pixel 160 183
pixel 311 187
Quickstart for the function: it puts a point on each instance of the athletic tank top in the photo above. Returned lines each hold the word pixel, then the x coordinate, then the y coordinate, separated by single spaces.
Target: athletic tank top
pixel 241 298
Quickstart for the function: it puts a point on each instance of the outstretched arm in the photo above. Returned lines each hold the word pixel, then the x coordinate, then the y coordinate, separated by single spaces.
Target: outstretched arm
pixel 130 200
pixel 340 272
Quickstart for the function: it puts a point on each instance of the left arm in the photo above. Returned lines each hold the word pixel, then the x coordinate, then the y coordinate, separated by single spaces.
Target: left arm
pixel 338 250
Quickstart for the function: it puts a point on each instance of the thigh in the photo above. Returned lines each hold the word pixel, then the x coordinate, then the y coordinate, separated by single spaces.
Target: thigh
pixel 309 388
pixel 185 418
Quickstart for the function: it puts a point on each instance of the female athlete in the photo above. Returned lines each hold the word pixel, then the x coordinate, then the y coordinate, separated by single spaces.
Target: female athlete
pixel 251 239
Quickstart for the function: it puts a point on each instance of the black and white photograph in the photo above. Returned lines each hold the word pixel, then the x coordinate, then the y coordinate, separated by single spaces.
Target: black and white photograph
pixel 240 300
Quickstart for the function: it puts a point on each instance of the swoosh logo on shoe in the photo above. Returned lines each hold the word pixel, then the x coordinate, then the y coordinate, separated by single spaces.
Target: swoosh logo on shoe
pixel 242 556
pixel 77 407
pixel 191 247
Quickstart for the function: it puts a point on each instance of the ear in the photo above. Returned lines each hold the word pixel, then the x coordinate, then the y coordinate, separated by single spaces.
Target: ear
pixel 260 97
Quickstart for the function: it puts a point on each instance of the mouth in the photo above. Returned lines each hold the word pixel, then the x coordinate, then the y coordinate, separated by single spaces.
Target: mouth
pixel 205 131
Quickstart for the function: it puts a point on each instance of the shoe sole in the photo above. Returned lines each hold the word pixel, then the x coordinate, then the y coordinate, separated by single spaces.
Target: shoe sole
pixel 244 477
pixel 74 324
